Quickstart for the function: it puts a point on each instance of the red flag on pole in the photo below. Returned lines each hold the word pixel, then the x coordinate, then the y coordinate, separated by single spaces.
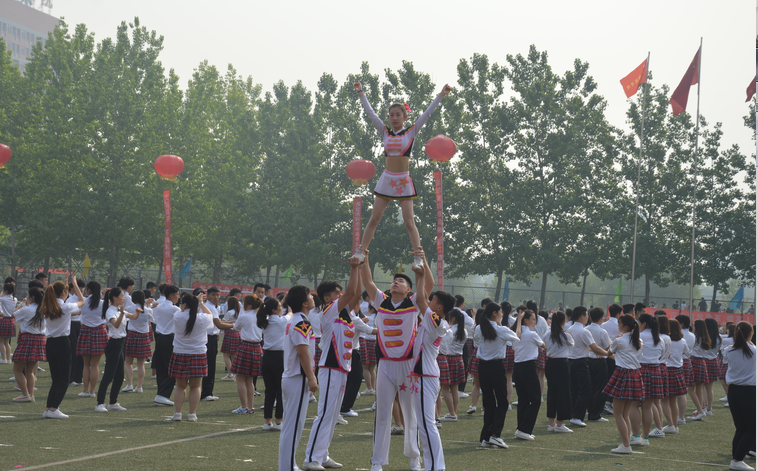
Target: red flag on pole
pixel 751 89
pixel 679 97
pixel 631 83
pixel 167 236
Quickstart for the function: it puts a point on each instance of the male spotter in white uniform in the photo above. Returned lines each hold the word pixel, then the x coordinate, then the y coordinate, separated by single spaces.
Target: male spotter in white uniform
pixel 396 322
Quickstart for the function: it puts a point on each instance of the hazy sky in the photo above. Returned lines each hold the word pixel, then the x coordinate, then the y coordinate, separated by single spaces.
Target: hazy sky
pixel 294 40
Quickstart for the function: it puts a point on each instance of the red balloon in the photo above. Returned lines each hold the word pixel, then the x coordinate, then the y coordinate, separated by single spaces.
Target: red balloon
pixel 5 155
pixel 169 166
pixel 361 171
pixel 440 148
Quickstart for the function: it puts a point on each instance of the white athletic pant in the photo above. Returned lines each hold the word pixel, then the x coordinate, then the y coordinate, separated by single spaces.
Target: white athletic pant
pixel 425 400
pixel 295 407
pixel 331 390
pixel 393 377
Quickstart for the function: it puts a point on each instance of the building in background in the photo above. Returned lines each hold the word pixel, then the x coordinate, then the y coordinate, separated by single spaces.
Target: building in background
pixel 21 26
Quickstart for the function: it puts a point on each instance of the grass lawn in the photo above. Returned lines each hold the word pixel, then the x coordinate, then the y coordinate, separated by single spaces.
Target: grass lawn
pixel 143 437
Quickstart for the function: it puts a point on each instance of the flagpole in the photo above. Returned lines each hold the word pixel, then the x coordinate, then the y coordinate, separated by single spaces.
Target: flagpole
pixel 637 187
pixel 694 183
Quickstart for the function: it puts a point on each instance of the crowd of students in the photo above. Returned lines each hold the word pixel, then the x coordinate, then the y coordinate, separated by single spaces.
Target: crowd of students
pixel 413 351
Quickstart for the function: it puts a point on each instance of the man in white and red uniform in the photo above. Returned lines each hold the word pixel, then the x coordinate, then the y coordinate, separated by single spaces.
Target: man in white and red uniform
pixel 396 322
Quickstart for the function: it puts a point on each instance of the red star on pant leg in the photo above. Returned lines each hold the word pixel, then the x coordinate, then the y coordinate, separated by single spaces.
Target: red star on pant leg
pixel 403 387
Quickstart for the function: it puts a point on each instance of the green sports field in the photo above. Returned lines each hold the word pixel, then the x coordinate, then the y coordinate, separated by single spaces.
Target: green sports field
pixel 143 438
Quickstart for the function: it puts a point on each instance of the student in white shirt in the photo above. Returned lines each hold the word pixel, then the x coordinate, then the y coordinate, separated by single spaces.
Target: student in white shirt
pixel 676 381
pixel 740 376
pixel 273 324
pixel 454 342
pixel 660 405
pixel 652 380
pixel 189 363
pixel 491 337
pixel 598 366
pixel 625 386
pixel 689 337
pixel 525 375
pixel 611 326
pixel 7 322
pixel 137 345
pixel 726 341
pixel 298 377
pixel 557 346
pixel 113 311
pixel 164 344
pixel 368 354
pixel 30 349
pixel 231 342
pixel 93 337
pixel 468 350
pixel 247 362
pixel 58 349
pixel 706 347
pixel 712 362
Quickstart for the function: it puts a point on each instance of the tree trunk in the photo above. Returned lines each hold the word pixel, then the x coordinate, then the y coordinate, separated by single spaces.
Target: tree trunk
pixel 542 291
pixel 713 300
pixel 499 286
pixel 584 286
pixel 276 277
pixel 217 269
pixel 160 271
pixel 14 271
pixel 268 274
pixel 647 290
pixel 70 270
pixel 112 268
pixel 46 268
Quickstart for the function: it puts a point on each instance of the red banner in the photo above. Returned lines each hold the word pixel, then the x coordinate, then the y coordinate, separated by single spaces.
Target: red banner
pixel 167 237
pixel 440 233
pixel 357 208
pixel 720 317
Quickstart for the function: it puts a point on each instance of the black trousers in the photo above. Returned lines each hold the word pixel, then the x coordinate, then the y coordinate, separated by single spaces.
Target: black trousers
pixel 164 348
pixel 353 384
pixel 58 352
pixel 558 374
pixel 77 362
pixel 599 378
pixel 210 380
pixel 528 390
pixel 742 407
pixel 114 370
pixel 272 368
pixel 580 387
pixel 462 385
pixel 494 397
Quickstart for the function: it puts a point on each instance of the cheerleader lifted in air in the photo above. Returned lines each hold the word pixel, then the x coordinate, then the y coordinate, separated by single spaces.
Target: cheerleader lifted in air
pixel 395 182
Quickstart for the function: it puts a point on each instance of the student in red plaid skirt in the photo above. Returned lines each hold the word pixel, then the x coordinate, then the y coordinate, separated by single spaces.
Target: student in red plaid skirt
pixel 137 344
pixel 189 363
pixel 706 347
pixel 473 365
pixel 368 352
pixel 93 336
pixel 625 385
pixel 7 322
pixel 30 349
pixel 652 381
pixel 231 342
pixel 712 364
pixel 453 343
pixel 247 361
pixel 676 382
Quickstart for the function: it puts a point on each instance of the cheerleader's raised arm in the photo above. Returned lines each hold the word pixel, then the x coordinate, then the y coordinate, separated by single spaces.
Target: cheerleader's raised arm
pixel 395 182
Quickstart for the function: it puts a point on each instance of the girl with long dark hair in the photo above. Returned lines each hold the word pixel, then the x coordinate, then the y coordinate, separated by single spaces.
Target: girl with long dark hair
pixel 273 323
pixel 712 363
pixel 93 336
pixel 453 343
pixel 557 346
pixel 7 321
pixel 525 375
pixel 247 361
pixel 652 351
pixel 676 383
pixel 231 342
pixel 30 349
pixel 701 374
pixel 137 344
pixel 740 376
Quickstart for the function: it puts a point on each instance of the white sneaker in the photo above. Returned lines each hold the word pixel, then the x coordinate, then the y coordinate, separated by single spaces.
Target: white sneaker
pixel 681 422
pixel 449 418
pixel 509 408
pixel 276 426
pixel 397 430
pixel 341 420
pixel 128 388
pixel 138 390
pixel 83 394
pixel 209 398
pixel 44 415
pixel 601 419
pixel 331 464
pixel 73 384
pixel 164 401
pixel 486 444
pixel 313 466
pixel 312 399
pixel 514 403
pixel 577 422
pixel 622 450
pixel 256 394
pixel 523 436
pixel 22 398
pixel 368 392
pixel 657 433
pixel 497 441
pixel 376 467
pixel 562 429
pixel 697 416
pixel 373 406
pixel 116 407
pixel 635 440
pixel 55 414
pixel 416 464
pixel 670 429
pixel 229 377
pixel 644 442
pixel 471 410
pixel 724 399
pixel 609 409
pixel 268 427
pixel 462 394
pixel 350 413
pixel 438 424
pixel 192 417
pixel 101 408
pixel 740 465
pixel 709 413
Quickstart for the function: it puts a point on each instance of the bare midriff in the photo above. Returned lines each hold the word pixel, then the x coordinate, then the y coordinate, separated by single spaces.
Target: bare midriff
pixel 397 164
